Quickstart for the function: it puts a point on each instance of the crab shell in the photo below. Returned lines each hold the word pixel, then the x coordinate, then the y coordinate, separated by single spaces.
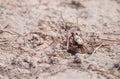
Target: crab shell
pixel 78 40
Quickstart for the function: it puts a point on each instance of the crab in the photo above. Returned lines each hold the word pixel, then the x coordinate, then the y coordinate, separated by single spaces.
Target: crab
pixel 76 44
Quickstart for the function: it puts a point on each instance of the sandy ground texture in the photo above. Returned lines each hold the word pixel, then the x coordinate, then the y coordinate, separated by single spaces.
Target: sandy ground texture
pixel 34 33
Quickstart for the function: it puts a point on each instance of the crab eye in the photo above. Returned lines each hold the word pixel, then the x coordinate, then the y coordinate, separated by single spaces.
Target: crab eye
pixel 76 33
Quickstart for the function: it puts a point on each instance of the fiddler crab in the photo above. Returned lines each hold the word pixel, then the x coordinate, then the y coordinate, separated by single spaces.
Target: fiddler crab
pixel 75 44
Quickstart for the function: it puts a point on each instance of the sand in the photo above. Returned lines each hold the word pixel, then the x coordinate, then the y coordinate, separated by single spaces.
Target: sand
pixel 34 33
